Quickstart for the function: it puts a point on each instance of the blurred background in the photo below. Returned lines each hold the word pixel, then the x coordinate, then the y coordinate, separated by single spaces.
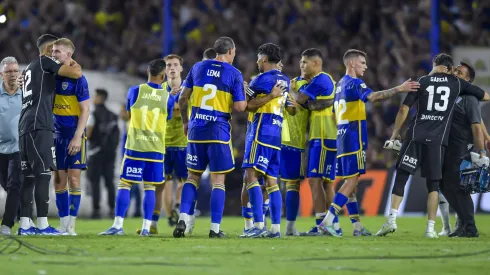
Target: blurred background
pixel 115 39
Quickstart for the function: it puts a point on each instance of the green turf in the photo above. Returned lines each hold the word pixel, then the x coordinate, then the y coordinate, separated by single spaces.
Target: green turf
pixel 197 254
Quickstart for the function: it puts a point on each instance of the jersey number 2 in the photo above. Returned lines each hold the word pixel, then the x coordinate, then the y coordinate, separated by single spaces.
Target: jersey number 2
pixel 208 97
pixel 444 92
pixel 26 91
pixel 340 108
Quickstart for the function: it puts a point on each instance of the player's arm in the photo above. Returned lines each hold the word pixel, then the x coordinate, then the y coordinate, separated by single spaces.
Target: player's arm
pixel 407 86
pixel 319 104
pixel 473 113
pixel 184 104
pixel 83 96
pixel 485 133
pixel 402 115
pixel 291 105
pixel 73 71
pixel 255 103
pixel 238 93
pixel 470 89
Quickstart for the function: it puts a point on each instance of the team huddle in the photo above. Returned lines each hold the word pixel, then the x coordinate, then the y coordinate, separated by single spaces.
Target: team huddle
pixel 174 122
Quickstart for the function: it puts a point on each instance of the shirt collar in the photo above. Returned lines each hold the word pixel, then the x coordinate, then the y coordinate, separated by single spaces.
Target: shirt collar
pixel 154 85
pixel 4 91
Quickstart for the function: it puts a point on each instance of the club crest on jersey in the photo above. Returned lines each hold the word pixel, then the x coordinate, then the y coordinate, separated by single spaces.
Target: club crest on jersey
pixel 363 85
pixel 64 85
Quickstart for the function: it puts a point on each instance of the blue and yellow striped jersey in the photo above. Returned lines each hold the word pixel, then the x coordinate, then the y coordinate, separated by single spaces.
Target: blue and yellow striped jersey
pixel 131 100
pixel 350 114
pixel 215 86
pixel 322 123
pixel 267 120
pixel 69 92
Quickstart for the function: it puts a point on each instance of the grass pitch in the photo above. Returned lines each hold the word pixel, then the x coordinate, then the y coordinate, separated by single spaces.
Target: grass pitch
pixel 410 251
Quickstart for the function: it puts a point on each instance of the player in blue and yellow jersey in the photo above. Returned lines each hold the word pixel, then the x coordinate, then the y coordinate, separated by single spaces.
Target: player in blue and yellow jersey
pixel 292 155
pixel 71 112
pixel 212 88
pixel 263 142
pixel 145 146
pixel 351 95
pixel 322 148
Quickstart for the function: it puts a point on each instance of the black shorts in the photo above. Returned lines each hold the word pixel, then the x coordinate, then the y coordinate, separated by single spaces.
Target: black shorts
pixel 37 153
pixel 430 159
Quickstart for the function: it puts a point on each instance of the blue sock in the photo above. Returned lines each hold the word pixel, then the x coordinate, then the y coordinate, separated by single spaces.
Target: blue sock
pixel 156 216
pixel 247 213
pixel 122 199
pixel 353 209
pixel 75 198
pixel 338 202
pixel 189 191
pixel 63 202
pixel 257 200
pixel 336 219
pixel 217 202
pixel 191 211
pixel 265 206
pixel 319 218
pixel 276 203
pixel 292 201
pixel 148 202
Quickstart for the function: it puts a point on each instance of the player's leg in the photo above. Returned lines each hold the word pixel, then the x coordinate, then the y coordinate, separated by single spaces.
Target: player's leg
pixel 247 213
pixel 329 178
pixel 273 191
pixel 26 190
pixel 291 173
pixel 168 200
pixel 44 161
pixel 152 177
pixel 131 173
pixel 254 190
pixel 181 174
pixel 317 155
pixel 431 162
pixel 108 174
pixel 197 161
pixel 61 183
pixel 350 167
pixel 219 167
pixel 405 167
pixel 74 176
pixel 444 209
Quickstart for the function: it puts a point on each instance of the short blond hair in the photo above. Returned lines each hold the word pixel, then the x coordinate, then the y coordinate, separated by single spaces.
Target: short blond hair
pixel 65 42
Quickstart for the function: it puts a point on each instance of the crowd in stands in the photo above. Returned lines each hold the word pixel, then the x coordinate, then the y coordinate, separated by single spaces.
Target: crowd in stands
pixel 122 36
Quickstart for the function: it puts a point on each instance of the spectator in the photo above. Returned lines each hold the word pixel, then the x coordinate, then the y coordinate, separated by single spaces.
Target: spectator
pixel 103 136
pixel 10 165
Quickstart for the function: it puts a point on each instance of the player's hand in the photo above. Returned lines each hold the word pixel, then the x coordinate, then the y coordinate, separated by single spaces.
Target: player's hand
pixel 74 146
pixel 409 86
pixel 394 145
pixel 186 128
pixel 278 90
pixel 291 101
pixel 73 62
pixel 175 91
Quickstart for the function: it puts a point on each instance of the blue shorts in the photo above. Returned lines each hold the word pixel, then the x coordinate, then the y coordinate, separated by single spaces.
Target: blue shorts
pixel 292 166
pixel 175 161
pixel 321 160
pixel 219 156
pixel 64 161
pixel 142 171
pixel 262 158
pixel 352 165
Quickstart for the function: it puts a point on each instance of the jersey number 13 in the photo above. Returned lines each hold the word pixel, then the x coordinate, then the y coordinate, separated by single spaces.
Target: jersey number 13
pixel 441 104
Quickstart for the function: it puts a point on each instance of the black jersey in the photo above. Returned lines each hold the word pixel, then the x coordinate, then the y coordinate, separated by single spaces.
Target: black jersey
pixel 466 112
pixel 436 100
pixel 38 95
